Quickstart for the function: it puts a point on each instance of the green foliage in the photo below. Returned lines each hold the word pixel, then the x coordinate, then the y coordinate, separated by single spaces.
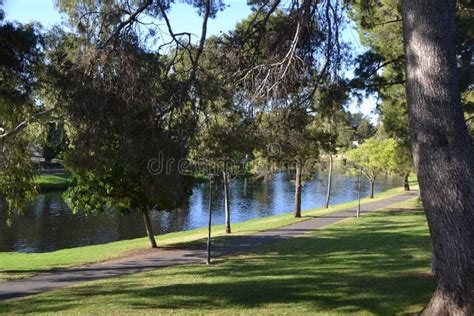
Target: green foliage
pixel 374 157
pixel 351 127
pixel 288 138
pixel 16 174
pixel 118 122
pixel 20 55
pixel 402 161
pixel 55 141
pixel 224 135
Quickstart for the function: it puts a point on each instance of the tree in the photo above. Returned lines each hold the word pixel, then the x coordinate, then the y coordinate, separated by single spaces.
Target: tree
pixel 372 158
pixel 292 143
pixel 381 69
pixel 123 151
pixel 331 119
pixel 20 58
pixel 403 163
pixel 443 154
pixel 222 143
pixel 130 111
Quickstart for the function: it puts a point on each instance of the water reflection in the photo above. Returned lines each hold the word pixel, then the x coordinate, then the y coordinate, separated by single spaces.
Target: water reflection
pixel 49 225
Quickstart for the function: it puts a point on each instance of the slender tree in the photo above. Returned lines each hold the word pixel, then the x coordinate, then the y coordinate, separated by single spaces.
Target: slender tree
pixel 223 140
pixel 373 158
pixel 330 120
pixel 293 145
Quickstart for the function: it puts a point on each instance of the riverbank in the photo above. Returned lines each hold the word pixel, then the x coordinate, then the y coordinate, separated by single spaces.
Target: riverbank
pixel 53 182
pixel 19 265
pixel 376 264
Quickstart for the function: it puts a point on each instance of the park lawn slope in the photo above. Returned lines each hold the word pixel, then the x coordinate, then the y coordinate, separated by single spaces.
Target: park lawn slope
pixel 373 265
pixel 15 265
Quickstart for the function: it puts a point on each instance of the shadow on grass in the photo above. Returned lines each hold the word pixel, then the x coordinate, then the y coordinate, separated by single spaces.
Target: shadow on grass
pixel 364 266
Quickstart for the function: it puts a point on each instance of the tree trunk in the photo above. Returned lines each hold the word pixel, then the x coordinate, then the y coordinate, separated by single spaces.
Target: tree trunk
pixel 328 194
pixel 297 210
pixel 149 228
pixel 226 202
pixel 209 225
pixel 372 188
pixel 406 184
pixel 444 158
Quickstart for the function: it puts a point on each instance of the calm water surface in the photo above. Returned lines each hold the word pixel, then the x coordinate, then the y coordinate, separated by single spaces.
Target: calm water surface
pixel 48 224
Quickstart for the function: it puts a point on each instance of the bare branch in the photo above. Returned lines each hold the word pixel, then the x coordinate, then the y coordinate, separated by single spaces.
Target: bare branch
pixel 387 22
pixel 376 85
pixel 383 65
pixel 132 17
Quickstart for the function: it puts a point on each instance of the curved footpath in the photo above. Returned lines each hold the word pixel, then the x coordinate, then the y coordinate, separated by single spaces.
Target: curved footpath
pixel 49 281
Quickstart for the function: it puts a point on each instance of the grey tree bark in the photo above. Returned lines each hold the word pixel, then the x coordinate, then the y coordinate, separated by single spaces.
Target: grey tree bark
pixel 297 209
pixel 444 157
pixel 406 184
pixel 225 179
pixel 328 193
pixel 149 228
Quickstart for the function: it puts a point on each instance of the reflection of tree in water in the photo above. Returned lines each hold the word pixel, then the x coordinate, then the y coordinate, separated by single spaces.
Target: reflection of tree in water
pixel 179 217
pixel 48 224
pixel 6 239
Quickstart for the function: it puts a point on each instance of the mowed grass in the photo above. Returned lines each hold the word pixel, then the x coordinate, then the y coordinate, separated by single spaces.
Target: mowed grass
pixel 15 265
pixel 49 182
pixel 370 265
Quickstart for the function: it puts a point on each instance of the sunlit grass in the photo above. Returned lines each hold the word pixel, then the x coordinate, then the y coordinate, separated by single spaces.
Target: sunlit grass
pixel 363 266
pixel 48 182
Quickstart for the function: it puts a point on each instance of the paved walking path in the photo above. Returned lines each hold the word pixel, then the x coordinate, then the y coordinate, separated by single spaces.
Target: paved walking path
pixel 49 281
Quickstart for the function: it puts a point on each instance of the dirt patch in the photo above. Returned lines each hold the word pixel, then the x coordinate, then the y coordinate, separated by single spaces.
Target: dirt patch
pixel 424 275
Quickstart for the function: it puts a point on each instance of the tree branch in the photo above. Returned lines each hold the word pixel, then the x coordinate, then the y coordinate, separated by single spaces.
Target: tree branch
pixel 387 22
pixel 375 85
pixel 383 65
pixel 126 22
pixel 22 125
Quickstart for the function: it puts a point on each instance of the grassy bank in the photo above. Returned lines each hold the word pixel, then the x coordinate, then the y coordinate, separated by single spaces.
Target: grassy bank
pixel 53 182
pixel 18 265
pixel 375 264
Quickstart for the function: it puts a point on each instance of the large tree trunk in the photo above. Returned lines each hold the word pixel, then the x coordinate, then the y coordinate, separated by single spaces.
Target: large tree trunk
pixel 149 228
pixel 297 210
pixel 444 158
pixel 328 193
pixel 406 184
pixel 226 202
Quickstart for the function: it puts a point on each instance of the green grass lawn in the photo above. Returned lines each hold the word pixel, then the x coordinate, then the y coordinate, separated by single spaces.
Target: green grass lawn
pixel 15 265
pixel 50 182
pixel 361 266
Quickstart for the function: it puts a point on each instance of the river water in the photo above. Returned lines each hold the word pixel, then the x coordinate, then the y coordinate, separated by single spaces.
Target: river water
pixel 48 224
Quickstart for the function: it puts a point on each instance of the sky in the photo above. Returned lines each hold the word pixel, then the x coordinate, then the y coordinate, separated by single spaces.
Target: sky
pixel 183 18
